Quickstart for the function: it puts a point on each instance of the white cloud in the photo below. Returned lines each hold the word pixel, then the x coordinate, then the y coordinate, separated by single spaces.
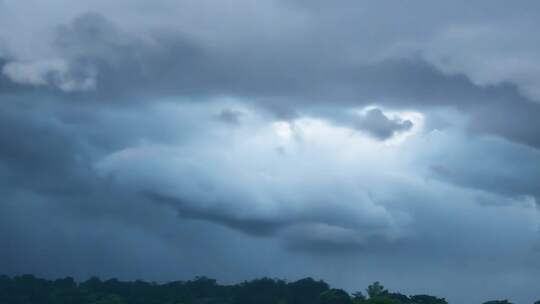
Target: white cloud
pixel 48 73
pixel 321 176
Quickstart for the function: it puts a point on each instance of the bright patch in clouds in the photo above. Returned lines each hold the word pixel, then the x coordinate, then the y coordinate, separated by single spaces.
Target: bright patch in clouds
pixel 271 172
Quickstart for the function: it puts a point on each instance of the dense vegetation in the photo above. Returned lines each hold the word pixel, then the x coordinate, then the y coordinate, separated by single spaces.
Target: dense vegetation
pixel 28 289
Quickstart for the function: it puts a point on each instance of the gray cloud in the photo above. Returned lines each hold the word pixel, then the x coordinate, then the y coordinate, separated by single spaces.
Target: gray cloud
pixel 380 126
pixel 229 116
pixel 202 127
pixel 494 169
pixel 122 65
pixel 204 193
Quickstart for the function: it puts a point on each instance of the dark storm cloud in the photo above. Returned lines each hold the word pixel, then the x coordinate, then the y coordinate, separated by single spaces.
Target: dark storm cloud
pixel 129 67
pixel 494 170
pixel 48 150
pixel 126 65
pixel 55 204
pixel 89 172
pixel 32 147
pixel 335 226
pixel 253 226
pixel 56 211
pixel 229 116
pixel 380 126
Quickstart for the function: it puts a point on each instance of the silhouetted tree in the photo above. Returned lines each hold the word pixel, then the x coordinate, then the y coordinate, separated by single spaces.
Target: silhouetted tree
pixel 305 291
pixel 397 297
pixel 27 289
pixel 263 291
pixel 335 296
pixel 427 299
pixel 498 302
pixel 376 290
pixel 358 297
pixel 110 299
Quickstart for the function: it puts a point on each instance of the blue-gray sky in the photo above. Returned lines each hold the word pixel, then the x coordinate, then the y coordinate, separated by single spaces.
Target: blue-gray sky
pixel 351 141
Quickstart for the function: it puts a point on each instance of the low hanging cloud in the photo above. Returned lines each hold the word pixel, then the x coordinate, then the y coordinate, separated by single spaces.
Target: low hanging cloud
pixel 248 186
pixel 327 144
pixel 55 73
pixel 377 124
pixel 109 60
pixel 229 116
pixel 171 177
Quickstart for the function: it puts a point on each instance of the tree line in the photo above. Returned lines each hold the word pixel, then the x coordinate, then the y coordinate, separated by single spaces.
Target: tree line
pixel 28 289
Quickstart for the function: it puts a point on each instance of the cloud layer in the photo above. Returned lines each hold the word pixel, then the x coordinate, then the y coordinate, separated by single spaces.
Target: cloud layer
pixel 349 142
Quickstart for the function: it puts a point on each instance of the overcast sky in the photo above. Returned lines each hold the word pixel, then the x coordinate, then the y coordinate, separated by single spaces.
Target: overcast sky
pixel 350 141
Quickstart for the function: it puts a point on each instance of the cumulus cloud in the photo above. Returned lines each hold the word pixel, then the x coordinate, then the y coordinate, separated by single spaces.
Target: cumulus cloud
pixel 114 60
pixel 168 176
pixel 250 187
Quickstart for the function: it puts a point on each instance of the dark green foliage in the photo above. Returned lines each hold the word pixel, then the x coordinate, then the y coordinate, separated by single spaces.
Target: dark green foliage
pixel 306 291
pixel 335 296
pixel 426 299
pixel 397 297
pixel 380 295
pixel 501 302
pixel 358 297
pixel 27 289
pixel 109 299
pixel 376 290
pixel 262 291
pixel 380 300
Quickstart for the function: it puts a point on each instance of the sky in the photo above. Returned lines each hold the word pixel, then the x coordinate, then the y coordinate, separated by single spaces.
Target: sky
pixel 350 141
